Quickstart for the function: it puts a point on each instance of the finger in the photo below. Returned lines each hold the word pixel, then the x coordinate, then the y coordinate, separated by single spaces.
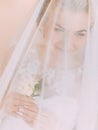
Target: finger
pixel 12 111
pixel 40 116
pixel 21 97
pixel 18 96
pixel 31 107
pixel 26 101
pixel 29 116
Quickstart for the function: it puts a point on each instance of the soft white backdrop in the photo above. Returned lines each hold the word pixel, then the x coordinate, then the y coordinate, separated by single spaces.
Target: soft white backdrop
pixel 12 14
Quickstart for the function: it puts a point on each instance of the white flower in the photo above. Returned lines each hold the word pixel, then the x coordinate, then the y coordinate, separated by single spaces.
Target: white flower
pixel 27 88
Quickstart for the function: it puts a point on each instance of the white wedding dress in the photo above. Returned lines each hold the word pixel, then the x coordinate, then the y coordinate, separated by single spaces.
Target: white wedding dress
pixel 65 113
pixel 59 102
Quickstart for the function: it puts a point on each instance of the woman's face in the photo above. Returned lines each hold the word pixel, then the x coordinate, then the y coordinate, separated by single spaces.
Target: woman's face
pixel 70 31
pixel 70 34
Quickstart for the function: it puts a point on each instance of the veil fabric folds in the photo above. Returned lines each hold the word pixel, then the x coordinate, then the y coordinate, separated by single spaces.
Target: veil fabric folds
pixel 56 63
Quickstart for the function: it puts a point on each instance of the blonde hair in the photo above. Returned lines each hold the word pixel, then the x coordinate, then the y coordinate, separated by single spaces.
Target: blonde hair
pixel 76 5
pixel 45 5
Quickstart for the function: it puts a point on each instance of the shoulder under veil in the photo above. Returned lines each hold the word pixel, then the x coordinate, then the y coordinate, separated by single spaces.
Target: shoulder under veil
pixel 56 63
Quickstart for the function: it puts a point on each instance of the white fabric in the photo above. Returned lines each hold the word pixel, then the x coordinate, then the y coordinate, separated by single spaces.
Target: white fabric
pixel 69 93
pixel 67 107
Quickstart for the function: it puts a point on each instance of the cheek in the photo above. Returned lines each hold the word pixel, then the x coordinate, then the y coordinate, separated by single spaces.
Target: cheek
pixel 79 42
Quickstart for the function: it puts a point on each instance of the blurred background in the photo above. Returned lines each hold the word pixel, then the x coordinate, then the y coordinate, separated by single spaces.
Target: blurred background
pixel 12 15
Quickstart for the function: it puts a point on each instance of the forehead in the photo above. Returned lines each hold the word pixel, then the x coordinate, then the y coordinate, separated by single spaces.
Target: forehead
pixel 73 20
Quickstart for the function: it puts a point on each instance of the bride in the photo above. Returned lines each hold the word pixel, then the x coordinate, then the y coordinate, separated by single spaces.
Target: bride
pixel 45 91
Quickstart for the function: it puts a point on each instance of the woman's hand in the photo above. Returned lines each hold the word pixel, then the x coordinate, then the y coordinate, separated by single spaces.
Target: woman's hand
pixel 24 107
pixel 18 105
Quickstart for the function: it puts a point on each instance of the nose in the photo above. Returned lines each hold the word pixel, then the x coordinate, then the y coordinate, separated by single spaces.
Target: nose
pixel 69 42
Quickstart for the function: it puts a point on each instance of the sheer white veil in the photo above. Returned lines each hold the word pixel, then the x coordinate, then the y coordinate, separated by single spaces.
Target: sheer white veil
pixel 88 117
pixel 23 36
pixel 57 64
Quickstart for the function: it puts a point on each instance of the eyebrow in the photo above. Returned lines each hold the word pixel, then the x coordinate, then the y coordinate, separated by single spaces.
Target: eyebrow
pixel 63 29
pixel 82 31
